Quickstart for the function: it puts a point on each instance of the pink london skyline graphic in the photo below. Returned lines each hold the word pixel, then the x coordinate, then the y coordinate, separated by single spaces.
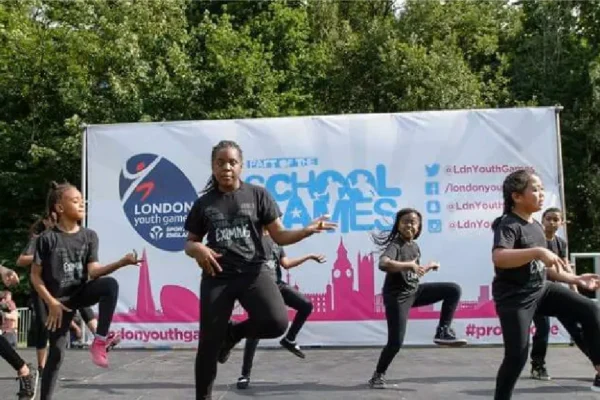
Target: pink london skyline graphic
pixel 339 302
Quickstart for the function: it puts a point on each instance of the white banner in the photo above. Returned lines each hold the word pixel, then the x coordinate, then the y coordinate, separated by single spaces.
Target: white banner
pixel 143 178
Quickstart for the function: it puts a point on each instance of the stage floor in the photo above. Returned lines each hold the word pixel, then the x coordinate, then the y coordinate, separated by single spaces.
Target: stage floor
pixel 418 373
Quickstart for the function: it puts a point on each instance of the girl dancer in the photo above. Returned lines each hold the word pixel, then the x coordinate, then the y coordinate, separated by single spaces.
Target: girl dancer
pixel 27 376
pixel 291 297
pixel 402 290
pixel 552 219
pixel 64 258
pixel 39 308
pixel 521 261
pixel 232 215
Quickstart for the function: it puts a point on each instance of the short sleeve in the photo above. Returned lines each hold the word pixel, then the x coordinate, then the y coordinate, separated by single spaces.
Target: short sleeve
pixel 505 236
pixel 41 250
pixel 268 210
pixel 195 221
pixel 391 252
pixel 29 249
pixel 92 255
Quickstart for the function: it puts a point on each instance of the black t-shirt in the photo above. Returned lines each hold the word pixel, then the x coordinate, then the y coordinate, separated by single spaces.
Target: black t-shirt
pixel 403 283
pixel 64 258
pixel 274 254
pixel 233 225
pixel 558 246
pixel 519 286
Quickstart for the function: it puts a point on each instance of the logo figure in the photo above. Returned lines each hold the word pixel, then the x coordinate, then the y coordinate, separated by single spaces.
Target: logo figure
pixel 156 197
pixel 434 225
pixel 156 232
pixel 432 188
pixel 432 170
pixel 434 207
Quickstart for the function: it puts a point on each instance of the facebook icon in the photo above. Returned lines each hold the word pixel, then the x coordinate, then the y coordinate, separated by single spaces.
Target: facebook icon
pixel 432 188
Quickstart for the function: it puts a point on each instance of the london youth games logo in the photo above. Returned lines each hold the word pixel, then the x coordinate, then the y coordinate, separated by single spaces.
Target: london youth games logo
pixel 156 198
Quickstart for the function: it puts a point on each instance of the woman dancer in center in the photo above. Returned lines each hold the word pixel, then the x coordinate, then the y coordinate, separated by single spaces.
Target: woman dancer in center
pixel 231 214
pixel 292 298
pixel 402 290
pixel 520 289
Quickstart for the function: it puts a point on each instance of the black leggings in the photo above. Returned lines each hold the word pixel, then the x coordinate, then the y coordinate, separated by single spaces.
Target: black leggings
pixel 10 354
pixel 41 315
pixel 397 310
pixel 554 300
pixel 260 297
pixel 539 342
pixel 104 291
pixel 293 299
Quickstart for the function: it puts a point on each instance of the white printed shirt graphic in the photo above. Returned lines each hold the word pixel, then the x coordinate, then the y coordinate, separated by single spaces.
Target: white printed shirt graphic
pixel 72 268
pixel 536 267
pixel 233 233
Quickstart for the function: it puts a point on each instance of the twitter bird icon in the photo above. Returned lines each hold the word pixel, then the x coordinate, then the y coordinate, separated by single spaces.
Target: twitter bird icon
pixel 432 170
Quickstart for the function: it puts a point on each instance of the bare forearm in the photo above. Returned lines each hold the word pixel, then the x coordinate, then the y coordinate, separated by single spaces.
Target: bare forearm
pixel 561 276
pixel 24 261
pixel 192 248
pixel 108 269
pixel 41 289
pixel 286 237
pixel 513 258
pixel 395 266
pixel 294 262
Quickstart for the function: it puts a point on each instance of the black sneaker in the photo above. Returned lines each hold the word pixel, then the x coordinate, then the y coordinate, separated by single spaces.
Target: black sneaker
pixel 228 345
pixel 243 382
pixel 377 381
pixel 445 336
pixel 28 384
pixel 292 347
pixel 596 385
pixel 540 373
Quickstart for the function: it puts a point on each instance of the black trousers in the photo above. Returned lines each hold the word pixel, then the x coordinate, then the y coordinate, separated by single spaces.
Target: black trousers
pixel 397 309
pixel 259 295
pixel 293 299
pixel 10 354
pixel 41 314
pixel 102 291
pixel 553 300
pixel 539 342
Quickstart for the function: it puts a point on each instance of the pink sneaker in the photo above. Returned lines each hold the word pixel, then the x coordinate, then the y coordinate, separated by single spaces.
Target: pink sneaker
pixel 98 352
pixel 112 340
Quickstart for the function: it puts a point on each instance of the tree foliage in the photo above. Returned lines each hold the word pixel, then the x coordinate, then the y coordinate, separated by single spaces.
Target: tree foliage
pixel 64 64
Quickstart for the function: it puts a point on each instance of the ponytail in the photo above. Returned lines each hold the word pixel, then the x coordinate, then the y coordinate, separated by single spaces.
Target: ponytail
pixel 54 196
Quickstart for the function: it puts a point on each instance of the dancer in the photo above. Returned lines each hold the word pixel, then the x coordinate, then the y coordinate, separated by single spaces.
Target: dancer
pixel 65 257
pixel 400 261
pixel 552 220
pixel 291 297
pixel 520 289
pixel 39 307
pixel 26 374
pixel 231 214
